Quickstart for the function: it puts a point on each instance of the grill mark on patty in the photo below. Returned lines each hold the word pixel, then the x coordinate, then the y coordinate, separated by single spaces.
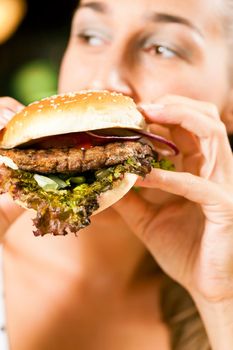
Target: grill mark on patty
pixel 63 160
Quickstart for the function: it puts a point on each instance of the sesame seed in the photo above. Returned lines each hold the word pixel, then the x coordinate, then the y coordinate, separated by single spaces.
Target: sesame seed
pixel 71 94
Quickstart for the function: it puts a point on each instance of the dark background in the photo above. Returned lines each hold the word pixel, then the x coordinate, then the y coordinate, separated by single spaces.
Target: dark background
pixel 37 47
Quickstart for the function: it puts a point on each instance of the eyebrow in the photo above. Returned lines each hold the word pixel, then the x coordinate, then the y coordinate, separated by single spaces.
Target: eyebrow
pixel 96 6
pixel 167 18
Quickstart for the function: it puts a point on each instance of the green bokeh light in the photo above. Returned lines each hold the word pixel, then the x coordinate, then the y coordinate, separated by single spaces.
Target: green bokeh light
pixel 34 81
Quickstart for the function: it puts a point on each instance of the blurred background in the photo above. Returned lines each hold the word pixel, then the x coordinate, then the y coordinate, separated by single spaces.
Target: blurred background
pixel 33 37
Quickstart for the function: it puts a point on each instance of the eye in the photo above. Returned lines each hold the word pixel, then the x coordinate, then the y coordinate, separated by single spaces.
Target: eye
pixel 161 50
pixel 91 38
pixel 164 51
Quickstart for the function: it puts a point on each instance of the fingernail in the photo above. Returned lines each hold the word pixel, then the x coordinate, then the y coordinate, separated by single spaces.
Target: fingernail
pixel 20 108
pixel 151 107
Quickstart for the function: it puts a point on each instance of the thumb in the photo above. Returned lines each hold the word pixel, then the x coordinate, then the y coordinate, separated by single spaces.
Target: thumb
pixel 136 212
pixel 187 185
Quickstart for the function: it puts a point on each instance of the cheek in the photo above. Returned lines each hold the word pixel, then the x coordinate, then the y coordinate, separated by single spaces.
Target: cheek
pixel 152 87
pixel 74 74
pixel 159 79
pixel 188 82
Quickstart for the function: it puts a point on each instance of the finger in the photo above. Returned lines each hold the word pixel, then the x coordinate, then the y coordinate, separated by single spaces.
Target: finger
pixel 6 113
pixel 185 141
pixel 153 225
pixel 11 104
pixel 5 116
pixel 8 108
pixel 139 213
pixel 211 134
pixel 184 116
pixel 191 187
pixel 207 108
pixel 190 158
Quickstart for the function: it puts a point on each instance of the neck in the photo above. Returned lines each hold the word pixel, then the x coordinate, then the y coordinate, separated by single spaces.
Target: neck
pixel 104 250
pixel 109 248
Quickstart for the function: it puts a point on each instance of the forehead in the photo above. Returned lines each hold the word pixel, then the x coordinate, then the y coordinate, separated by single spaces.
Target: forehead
pixel 182 6
pixel 205 13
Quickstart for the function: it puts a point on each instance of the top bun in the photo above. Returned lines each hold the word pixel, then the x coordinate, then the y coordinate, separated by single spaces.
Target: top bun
pixel 71 112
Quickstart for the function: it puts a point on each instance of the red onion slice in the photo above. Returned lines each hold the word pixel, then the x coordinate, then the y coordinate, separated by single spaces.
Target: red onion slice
pixel 158 141
pixel 114 137
pixel 161 145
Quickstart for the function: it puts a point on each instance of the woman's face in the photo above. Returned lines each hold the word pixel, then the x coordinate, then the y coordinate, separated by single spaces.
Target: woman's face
pixel 148 48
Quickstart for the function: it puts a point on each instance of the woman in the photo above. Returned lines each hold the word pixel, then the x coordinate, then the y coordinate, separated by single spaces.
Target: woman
pixel 115 286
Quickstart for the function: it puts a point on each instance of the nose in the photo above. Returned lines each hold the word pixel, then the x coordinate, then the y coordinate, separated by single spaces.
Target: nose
pixel 112 76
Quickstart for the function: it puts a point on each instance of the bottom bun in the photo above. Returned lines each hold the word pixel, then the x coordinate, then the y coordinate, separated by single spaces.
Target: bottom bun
pixel 107 199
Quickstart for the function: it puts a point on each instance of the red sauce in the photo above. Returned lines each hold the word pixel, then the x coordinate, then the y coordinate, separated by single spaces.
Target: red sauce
pixel 79 140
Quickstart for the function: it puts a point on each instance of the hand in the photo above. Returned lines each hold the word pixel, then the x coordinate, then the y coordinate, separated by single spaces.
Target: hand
pixel 190 236
pixel 9 211
pixel 8 107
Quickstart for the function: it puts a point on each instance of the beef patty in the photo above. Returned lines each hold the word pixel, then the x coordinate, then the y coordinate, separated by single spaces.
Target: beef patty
pixel 66 160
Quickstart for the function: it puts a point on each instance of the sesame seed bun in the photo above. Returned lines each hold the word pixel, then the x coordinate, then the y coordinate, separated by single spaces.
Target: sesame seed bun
pixel 107 199
pixel 71 112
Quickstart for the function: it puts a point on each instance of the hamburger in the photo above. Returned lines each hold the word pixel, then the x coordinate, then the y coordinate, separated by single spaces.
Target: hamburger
pixel 72 155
